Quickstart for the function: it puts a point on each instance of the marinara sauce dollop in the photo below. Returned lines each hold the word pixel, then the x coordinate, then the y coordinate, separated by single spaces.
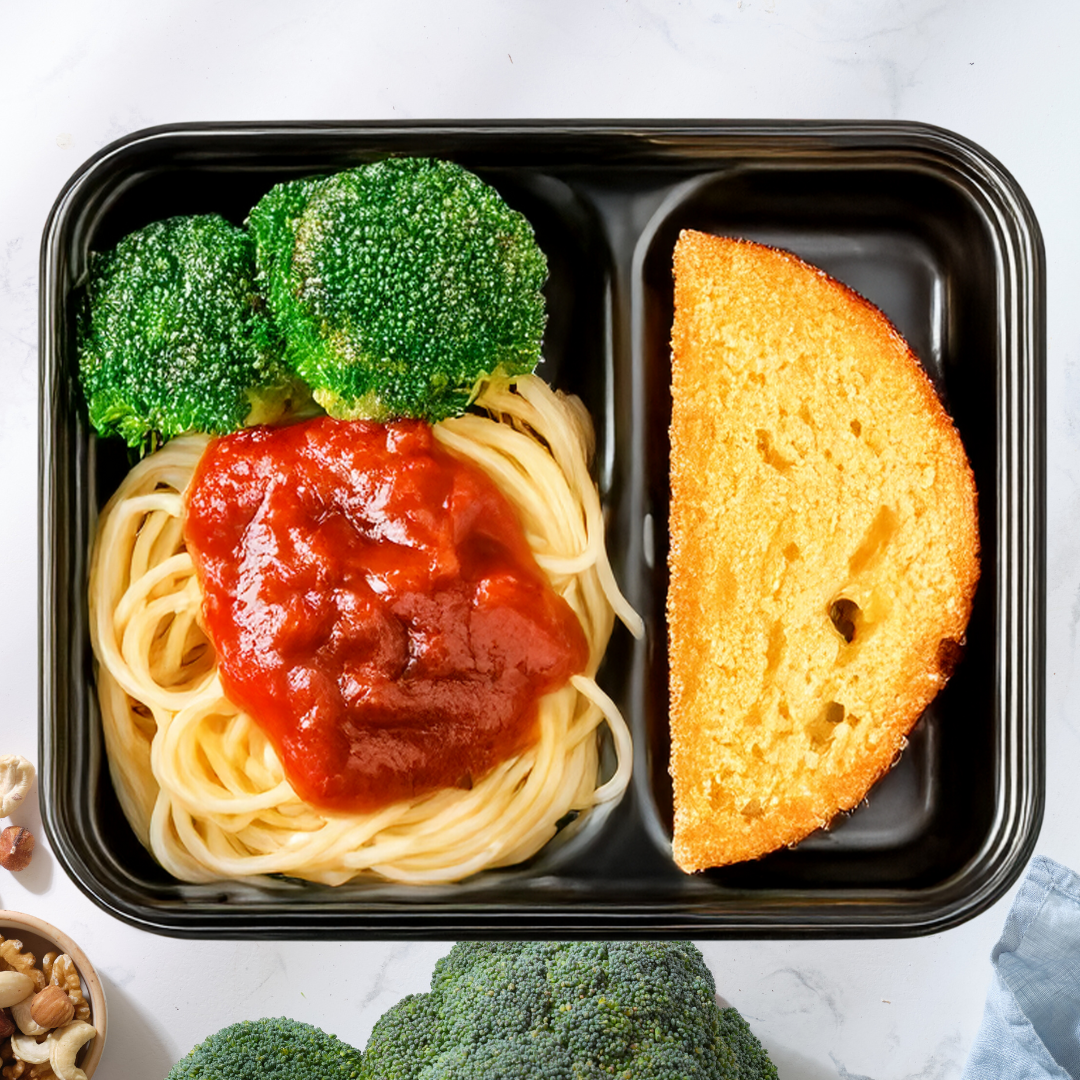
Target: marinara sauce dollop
pixel 375 607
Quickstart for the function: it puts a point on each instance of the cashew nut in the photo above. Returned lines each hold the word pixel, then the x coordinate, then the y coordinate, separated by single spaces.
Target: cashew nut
pixel 20 1013
pixel 16 776
pixel 30 1050
pixel 14 986
pixel 64 1043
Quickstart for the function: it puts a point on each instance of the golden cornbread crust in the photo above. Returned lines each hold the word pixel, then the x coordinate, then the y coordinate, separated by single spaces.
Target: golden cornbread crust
pixel 824 548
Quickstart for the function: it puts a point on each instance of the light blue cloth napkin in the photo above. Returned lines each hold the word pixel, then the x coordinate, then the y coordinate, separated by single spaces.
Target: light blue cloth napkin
pixel 1031 1027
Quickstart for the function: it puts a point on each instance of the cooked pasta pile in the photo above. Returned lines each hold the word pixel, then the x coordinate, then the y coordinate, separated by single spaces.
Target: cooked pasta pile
pixel 202 785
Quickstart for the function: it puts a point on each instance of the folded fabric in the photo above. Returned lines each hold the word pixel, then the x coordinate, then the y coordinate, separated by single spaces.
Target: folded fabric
pixel 1031 1027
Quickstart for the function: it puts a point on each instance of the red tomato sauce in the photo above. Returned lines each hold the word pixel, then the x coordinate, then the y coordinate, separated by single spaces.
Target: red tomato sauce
pixel 375 607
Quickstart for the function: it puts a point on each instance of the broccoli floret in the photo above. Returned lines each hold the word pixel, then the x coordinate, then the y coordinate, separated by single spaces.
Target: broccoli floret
pixel 566 1011
pixel 173 335
pixel 754 1063
pixel 271 225
pixel 269 1049
pixel 399 286
pixel 402 1036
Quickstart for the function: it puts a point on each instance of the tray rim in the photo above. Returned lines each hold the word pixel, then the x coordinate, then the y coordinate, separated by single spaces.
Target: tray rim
pixel 1020 745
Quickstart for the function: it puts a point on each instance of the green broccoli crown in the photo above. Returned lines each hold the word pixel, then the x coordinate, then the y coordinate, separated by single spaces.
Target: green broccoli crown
pixel 399 286
pixel 173 335
pixel 565 1011
pixel 269 1049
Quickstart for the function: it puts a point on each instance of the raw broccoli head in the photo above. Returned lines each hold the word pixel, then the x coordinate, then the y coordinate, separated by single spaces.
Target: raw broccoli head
pixel 399 286
pixel 269 1049
pixel 174 337
pixel 565 1011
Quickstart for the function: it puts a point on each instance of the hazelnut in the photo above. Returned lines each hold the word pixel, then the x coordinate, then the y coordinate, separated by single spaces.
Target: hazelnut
pixel 7 1025
pixel 16 847
pixel 51 1007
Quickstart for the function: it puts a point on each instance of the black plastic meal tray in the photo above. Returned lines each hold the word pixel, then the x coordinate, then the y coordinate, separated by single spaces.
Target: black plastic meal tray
pixel 918 220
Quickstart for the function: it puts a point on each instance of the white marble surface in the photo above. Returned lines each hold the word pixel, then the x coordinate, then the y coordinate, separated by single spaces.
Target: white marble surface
pixel 74 76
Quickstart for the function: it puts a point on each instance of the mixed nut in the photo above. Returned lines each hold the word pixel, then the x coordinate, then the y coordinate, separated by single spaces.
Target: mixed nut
pixel 16 847
pixel 44 1015
pixel 16 778
pixel 16 843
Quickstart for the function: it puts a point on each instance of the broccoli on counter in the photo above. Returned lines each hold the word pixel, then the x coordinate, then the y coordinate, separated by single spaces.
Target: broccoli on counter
pixel 173 336
pixel 566 1011
pixel 399 286
pixel 269 1049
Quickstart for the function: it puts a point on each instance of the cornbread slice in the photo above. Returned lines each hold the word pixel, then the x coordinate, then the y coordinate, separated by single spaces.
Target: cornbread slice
pixel 823 548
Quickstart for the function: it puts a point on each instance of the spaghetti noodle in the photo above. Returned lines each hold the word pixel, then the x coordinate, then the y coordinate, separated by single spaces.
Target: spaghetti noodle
pixel 201 783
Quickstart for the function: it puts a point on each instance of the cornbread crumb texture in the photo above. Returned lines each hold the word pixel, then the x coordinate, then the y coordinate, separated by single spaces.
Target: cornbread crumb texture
pixel 823 548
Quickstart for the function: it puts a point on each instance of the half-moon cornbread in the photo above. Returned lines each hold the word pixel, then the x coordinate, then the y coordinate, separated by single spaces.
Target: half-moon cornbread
pixel 824 548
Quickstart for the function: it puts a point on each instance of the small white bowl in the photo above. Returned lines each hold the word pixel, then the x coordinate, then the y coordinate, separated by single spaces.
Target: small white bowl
pixel 41 937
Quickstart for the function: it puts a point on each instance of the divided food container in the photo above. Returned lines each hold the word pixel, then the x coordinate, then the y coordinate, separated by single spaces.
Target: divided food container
pixel 920 221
